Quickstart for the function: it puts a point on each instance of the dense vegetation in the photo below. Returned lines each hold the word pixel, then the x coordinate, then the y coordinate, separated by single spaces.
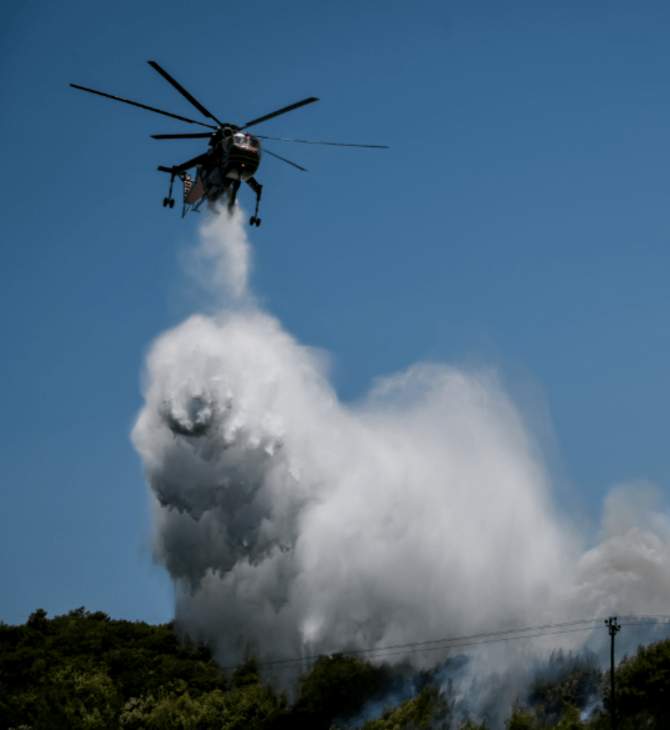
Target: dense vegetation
pixel 86 671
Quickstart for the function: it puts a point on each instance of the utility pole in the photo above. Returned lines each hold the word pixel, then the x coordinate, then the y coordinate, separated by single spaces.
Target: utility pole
pixel 614 629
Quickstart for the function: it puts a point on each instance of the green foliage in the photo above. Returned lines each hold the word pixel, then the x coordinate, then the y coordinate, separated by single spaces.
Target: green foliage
pixel 419 712
pixel 245 674
pixel 335 688
pixel 600 722
pixel 251 706
pixel 643 686
pixel 77 670
pixel 570 720
pixel 578 680
pixel 37 621
pixel 523 719
pixel 174 710
pixel 84 671
pixel 520 719
pixel 80 700
pixel 246 707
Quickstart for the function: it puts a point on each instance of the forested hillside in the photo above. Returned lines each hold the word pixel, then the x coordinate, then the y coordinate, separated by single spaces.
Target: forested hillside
pixel 86 671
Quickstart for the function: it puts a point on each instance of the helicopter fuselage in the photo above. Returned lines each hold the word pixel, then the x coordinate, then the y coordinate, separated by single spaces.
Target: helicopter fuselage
pixel 242 156
pixel 232 158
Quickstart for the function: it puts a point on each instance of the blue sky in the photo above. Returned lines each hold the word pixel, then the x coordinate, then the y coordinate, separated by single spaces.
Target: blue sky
pixel 520 220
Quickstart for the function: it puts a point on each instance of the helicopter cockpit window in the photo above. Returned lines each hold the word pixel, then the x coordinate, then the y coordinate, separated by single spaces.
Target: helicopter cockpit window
pixel 239 139
pixel 254 142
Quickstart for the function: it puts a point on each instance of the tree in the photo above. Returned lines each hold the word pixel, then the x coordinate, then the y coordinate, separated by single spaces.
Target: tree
pixel 335 688
pixel 423 711
pixel 570 719
pixel 77 701
pixel 643 684
pixel 521 719
pixel 574 681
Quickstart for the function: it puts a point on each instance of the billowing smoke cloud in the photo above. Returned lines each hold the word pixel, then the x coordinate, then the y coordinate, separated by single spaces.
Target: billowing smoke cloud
pixel 629 571
pixel 294 524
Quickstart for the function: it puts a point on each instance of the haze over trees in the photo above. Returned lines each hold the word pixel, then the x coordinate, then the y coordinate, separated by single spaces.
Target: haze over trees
pixel 86 671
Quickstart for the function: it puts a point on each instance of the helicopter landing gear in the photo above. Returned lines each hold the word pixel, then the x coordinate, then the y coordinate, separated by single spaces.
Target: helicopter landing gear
pixel 169 200
pixel 258 189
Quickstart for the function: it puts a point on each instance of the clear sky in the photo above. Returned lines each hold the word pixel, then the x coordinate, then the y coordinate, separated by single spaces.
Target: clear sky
pixel 520 220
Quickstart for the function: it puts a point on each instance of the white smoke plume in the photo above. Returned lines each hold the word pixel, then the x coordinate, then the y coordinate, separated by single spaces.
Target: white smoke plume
pixel 629 571
pixel 221 263
pixel 294 524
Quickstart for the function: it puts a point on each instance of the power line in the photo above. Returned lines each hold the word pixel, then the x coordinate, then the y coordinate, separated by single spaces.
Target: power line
pixel 472 640
pixel 419 647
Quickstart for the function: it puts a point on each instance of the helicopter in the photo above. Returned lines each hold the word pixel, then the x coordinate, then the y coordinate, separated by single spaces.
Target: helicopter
pixel 232 157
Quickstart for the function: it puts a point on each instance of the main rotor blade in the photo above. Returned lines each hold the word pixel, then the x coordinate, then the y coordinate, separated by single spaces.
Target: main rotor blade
pixel 183 91
pixel 266 150
pixel 143 106
pixel 280 111
pixel 197 135
pixel 337 144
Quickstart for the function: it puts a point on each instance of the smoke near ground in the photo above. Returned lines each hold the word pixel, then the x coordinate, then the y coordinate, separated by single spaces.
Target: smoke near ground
pixel 294 524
